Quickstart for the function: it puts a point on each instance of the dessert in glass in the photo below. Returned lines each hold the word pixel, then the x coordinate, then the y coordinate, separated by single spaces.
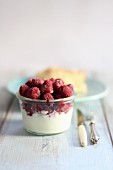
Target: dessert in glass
pixel 46 105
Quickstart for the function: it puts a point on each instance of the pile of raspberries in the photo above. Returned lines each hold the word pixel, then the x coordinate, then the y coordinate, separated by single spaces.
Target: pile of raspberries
pixel 46 89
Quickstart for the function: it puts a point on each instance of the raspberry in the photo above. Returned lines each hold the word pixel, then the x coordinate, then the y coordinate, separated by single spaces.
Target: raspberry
pixel 23 89
pixel 37 82
pixel 71 86
pixel 47 97
pixel 33 93
pixel 29 83
pixel 67 91
pixel 63 107
pixel 47 87
pixel 52 80
pixel 58 83
pixel 57 93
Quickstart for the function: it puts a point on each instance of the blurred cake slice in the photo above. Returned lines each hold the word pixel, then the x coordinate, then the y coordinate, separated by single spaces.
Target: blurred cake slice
pixel 75 77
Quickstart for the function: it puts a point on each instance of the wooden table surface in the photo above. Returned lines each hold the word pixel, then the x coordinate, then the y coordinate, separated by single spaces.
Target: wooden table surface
pixel 20 150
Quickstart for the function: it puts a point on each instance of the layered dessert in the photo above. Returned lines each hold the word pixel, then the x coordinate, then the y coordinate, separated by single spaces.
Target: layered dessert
pixel 76 77
pixel 46 105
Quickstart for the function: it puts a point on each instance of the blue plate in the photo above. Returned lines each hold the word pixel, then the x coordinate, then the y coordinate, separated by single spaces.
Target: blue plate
pixel 13 85
pixel 96 89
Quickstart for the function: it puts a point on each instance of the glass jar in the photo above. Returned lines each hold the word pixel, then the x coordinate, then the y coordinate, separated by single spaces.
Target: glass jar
pixel 43 117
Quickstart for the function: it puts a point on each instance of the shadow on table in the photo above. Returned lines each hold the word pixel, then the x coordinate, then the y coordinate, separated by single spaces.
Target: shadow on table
pixel 14 128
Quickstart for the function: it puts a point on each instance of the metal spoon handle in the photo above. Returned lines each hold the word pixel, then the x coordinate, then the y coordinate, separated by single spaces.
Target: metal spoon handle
pixel 94 137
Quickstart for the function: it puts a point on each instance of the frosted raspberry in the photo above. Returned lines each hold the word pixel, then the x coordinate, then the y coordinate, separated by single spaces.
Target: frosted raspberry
pixel 58 83
pixel 47 97
pixel 63 107
pixel 57 93
pixel 47 87
pixel 37 82
pixel 67 91
pixel 23 89
pixel 29 83
pixel 71 86
pixel 52 80
pixel 33 93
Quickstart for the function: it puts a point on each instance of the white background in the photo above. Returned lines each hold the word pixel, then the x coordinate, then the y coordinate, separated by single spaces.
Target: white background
pixel 68 33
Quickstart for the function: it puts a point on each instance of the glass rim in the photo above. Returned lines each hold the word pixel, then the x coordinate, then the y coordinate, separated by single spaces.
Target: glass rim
pixel 44 101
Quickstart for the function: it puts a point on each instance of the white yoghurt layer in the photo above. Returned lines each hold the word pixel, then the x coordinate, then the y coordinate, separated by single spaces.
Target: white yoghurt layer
pixel 45 124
